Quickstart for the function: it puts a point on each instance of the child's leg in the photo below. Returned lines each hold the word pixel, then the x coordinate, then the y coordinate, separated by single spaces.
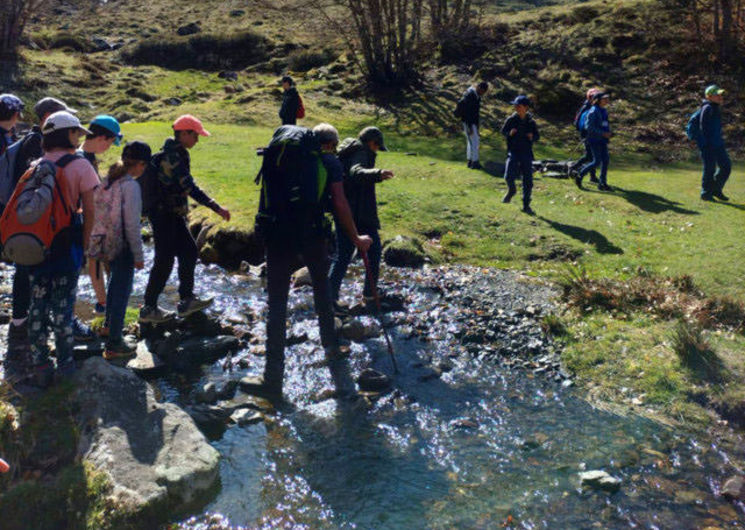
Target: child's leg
pixel 38 319
pixel 120 289
pixel 96 272
pixel 526 165
pixel 62 304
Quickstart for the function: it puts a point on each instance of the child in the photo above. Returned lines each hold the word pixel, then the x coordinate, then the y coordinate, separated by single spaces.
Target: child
pixel 579 122
pixel 54 282
pixel 598 135
pixel 521 131
pixel 135 158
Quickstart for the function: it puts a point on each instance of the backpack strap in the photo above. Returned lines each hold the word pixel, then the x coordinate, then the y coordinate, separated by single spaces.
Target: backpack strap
pixel 65 160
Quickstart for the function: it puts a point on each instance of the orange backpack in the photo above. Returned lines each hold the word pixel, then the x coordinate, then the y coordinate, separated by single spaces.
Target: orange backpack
pixel 38 221
pixel 300 108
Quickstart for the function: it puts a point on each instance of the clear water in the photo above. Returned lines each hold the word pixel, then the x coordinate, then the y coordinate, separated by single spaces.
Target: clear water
pixel 481 447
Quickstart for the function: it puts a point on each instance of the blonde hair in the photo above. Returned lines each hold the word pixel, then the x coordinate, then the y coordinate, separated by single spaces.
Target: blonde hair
pixel 121 168
pixel 326 133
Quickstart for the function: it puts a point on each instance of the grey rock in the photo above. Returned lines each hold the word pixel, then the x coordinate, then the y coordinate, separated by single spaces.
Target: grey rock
pixel 189 29
pixel 151 452
pixel 228 390
pixel 203 350
pixel 371 380
pixel 302 277
pixel 734 488
pixel 146 363
pixel 245 417
pixel 237 13
pixel 600 480
pixel 207 394
pixel 101 45
pixel 230 76
pixel 357 331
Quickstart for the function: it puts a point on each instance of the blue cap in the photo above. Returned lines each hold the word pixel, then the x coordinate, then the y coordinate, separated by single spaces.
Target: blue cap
pixel 522 100
pixel 11 104
pixel 111 124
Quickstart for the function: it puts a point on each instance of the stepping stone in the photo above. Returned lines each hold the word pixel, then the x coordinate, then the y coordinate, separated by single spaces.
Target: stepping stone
pixel 146 364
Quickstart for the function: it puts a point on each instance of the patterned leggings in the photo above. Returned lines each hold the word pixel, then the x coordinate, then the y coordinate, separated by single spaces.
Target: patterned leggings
pixel 52 302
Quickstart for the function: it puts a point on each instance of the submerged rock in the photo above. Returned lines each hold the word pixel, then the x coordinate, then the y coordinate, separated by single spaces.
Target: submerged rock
pixel 245 417
pixel 203 350
pixel 371 380
pixel 358 331
pixel 600 480
pixel 734 488
pixel 153 454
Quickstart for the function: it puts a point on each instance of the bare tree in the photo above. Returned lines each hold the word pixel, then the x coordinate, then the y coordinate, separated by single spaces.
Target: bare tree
pixel 14 14
pixel 449 17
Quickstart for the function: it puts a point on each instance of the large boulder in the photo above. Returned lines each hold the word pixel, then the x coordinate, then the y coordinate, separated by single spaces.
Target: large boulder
pixel 155 458
pixel 404 251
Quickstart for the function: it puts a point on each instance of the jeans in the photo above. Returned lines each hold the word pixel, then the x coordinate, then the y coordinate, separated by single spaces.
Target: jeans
pixel 344 251
pixel 118 292
pixel 601 158
pixel 472 142
pixel 587 157
pixel 522 163
pixel 52 302
pixel 717 167
pixel 279 259
pixel 172 240
pixel 21 292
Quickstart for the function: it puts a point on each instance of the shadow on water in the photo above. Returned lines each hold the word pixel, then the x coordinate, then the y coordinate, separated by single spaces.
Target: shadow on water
pixel 583 235
pixel 649 202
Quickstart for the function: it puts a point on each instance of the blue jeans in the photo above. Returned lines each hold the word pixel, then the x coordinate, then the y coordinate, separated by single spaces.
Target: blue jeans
pixel 52 302
pixel 520 163
pixel 587 157
pixel 118 292
pixel 717 167
pixel 344 251
pixel 600 158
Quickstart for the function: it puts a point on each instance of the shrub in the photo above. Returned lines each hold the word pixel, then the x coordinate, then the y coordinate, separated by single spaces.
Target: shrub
pixel 553 325
pixel 69 41
pixel 202 51
pixel 304 60
pixel 695 352
pixel 583 14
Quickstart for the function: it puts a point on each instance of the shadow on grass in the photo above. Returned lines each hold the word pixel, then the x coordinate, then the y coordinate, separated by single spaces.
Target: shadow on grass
pixel 649 202
pixel 740 207
pixel 583 235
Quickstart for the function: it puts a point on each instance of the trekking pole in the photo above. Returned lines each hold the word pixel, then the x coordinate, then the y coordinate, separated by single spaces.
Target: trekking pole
pixel 374 289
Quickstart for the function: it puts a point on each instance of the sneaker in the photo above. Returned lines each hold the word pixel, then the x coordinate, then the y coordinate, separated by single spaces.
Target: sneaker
pixel 604 187
pixel 578 181
pixel 707 197
pixel 470 164
pixel 155 315
pixel 594 179
pixel 528 210
pixel 508 197
pixel 256 386
pixel 192 305
pixel 721 196
pixel 100 309
pixel 476 165
pixel 42 376
pixel 119 350
pixel 81 332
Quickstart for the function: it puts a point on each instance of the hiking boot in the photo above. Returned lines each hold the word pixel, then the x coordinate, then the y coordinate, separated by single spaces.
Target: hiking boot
pixel 155 315
pixel 470 164
pixel 707 197
pixel 100 309
pixel 119 350
pixel 476 165
pixel 721 196
pixel 528 210
pixel 256 386
pixel 192 305
pixel 594 179
pixel 81 332
pixel 42 376
pixel 578 181
pixel 508 197
pixel 604 187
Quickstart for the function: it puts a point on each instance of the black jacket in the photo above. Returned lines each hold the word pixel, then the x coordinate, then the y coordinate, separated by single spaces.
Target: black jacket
pixel 360 178
pixel 290 104
pixel 470 107
pixel 520 143
pixel 30 150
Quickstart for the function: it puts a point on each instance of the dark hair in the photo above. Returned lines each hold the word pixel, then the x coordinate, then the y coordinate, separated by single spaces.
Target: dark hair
pixel 6 113
pixel 288 79
pixel 177 134
pixel 59 139
pixel 483 85
pixel 96 131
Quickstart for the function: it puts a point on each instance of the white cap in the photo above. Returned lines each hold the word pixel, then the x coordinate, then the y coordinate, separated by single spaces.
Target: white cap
pixel 62 120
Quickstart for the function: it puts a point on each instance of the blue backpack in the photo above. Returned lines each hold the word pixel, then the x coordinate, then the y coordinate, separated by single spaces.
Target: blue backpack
pixel 693 128
pixel 7 171
pixel 582 122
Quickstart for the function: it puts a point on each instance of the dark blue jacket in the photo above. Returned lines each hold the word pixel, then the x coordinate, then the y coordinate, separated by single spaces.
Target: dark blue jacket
pixel 290 106
pixel 597 124
pixel 471 107
pixel 520 144
pixel 711 125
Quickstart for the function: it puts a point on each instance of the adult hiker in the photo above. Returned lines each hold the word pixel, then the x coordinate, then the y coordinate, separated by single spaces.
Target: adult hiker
pixel 521 132
pixel 598 135
pixel 54 280
pixel 165 190
pixel 105 132
pixel 295 225
pixel 580 120
pixel 28 151
pixel 292 104
pixel 360 179
pixel 468 110
pixel 717 164
pixel 117 241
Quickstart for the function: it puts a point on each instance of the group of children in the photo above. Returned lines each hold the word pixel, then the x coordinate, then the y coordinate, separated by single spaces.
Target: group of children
pixel 44 294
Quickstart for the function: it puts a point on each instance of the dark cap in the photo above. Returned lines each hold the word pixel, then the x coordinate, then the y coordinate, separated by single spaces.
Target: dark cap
pixel 50 106
pixel 522 100
pixel 372 133
pixel 601 95
pixel 137 151
pixel 10 104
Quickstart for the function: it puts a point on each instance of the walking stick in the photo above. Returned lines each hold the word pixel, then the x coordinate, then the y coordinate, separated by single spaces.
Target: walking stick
pixel 374 289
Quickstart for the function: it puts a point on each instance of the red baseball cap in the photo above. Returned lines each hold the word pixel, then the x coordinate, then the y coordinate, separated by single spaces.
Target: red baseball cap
pixel 187 122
